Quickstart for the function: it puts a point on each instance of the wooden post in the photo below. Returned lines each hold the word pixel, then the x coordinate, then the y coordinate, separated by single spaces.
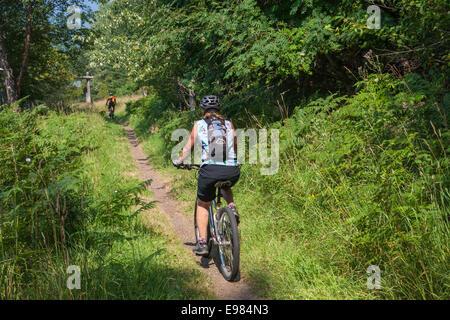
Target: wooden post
pixel 88 93
pixel 88 88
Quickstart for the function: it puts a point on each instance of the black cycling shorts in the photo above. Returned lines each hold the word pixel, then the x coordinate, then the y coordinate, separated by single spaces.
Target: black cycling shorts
pixel 210 174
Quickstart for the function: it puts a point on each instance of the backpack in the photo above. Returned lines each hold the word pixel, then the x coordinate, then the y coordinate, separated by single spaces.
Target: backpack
pixel 217 139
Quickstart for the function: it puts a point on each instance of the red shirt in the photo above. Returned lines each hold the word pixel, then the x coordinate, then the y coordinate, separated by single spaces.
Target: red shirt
pixel 111 98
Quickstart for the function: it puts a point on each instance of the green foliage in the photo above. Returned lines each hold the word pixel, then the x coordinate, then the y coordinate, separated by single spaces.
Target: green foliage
pixel 109 80
pixel 43 193
pixel 252 52
pixel 64 200
pixel 54 47
pixel 363 169
pixel 362 181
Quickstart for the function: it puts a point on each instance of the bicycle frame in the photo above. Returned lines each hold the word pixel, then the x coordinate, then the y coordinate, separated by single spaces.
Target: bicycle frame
pixel 111 111
pixel 220 241
pixel 216 204
pixel 212 227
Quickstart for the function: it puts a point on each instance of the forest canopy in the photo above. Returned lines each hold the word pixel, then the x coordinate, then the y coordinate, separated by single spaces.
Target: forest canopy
pixel 251 52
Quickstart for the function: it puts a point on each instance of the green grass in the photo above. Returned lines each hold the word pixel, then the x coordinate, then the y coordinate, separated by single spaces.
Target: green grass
pixel 121 255
pixel 139 265
pixel 278 261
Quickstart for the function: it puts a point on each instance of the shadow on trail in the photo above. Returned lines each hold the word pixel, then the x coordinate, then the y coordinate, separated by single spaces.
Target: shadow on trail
pixel 140 271
pixel 144 278
pixel 133 139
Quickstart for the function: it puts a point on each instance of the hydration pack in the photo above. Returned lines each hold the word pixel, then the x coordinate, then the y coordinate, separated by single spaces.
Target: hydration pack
pixel 217 139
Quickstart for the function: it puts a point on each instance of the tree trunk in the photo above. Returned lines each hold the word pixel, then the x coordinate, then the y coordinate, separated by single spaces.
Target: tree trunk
pixel 8 76
pixel 183 91
pixel 192 103
pixel 26 47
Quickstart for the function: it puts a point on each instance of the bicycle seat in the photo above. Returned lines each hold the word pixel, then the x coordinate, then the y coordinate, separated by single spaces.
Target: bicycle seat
pixel 221 184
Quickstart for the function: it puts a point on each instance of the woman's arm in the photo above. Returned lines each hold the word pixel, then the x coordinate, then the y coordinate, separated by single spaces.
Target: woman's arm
pixel 189 145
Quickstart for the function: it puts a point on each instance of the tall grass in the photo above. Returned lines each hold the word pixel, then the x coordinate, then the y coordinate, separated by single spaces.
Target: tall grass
pixel 68 197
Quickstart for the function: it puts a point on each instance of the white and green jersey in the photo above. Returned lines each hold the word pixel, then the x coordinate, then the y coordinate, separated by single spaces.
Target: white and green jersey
pixel 230 155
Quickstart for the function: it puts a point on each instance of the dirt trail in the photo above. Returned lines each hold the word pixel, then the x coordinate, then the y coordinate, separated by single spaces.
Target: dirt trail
pixel 182 226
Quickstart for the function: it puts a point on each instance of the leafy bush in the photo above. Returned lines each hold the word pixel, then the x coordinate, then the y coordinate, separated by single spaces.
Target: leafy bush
pixel 261 53
pixel 380 166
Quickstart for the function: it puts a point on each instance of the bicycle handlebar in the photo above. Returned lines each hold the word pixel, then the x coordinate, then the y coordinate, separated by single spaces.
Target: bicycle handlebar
pixel 187 166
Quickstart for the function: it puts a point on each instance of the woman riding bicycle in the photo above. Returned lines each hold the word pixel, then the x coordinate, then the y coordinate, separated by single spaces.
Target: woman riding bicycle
pixel 111 104
pixel 219 162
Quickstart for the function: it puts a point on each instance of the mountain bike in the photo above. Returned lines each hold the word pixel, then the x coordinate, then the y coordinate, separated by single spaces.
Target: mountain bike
pixel 111 112
pixel 222 233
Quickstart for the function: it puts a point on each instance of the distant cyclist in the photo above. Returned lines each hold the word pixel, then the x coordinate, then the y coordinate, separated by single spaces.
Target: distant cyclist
pixel 111 103
pixel 219 162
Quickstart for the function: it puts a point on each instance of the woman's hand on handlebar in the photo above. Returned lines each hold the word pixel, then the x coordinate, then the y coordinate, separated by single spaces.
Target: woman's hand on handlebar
pixel 180 165
pixel 177 163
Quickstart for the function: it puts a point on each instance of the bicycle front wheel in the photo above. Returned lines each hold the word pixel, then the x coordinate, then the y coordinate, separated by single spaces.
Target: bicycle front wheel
pixel 229 249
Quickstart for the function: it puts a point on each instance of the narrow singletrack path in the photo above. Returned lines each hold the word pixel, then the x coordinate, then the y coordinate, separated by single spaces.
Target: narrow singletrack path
pixel 182 226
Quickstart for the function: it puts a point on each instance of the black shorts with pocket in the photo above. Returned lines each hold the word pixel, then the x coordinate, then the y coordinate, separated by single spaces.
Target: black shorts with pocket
pixel 210 174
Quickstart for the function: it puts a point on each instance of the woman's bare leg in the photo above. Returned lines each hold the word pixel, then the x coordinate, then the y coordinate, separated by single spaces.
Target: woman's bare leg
pixel 202 217
pixel 228 195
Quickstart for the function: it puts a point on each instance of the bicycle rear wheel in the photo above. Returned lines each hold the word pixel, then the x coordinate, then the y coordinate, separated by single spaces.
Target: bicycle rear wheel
pixel 229 250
